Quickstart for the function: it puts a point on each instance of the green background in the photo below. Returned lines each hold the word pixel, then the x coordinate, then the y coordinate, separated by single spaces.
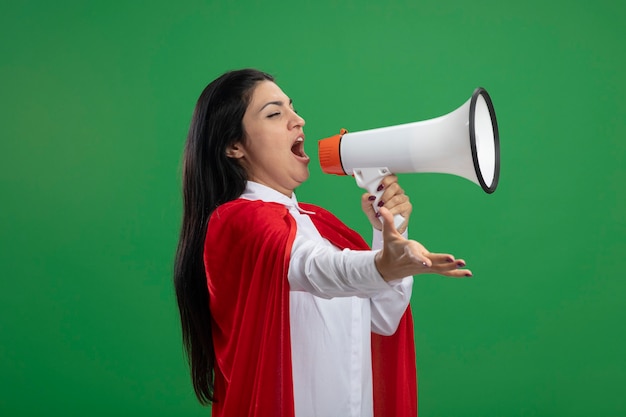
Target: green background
pixel 96 98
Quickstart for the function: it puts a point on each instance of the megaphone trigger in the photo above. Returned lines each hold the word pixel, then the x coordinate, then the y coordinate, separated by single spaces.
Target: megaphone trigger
pixel 370 179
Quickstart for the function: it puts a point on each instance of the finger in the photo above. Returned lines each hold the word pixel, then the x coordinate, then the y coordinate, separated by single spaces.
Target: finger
pixel 390 191
pixel 447 261
pixel 366 204
pixel 389 179
pixel 398 204
pixel 457 273
pixel 442 258
pixel 389 187
pixel 387 219
pixel 389 228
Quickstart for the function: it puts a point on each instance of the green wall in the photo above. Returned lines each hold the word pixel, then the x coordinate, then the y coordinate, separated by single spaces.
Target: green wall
pixel 95 104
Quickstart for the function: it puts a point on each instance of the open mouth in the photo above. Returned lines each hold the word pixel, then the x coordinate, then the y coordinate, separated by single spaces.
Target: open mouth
pixel 298 148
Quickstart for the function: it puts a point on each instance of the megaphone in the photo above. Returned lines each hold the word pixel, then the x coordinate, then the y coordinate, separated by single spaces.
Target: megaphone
pixel 464 143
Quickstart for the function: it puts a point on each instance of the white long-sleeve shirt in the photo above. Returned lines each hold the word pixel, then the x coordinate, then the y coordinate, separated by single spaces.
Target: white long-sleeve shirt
pixel 337 298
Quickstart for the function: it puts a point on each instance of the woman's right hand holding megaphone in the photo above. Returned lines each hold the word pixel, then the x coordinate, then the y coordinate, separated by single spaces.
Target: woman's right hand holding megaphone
pixel 401 257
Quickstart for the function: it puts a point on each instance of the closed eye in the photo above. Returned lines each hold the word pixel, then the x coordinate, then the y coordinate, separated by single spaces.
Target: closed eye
pixel 273 115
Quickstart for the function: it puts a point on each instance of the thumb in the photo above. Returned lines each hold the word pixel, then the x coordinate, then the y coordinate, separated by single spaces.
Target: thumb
pixel 389 228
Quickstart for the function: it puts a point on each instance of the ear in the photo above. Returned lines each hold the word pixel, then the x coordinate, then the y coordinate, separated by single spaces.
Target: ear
pixel 234 151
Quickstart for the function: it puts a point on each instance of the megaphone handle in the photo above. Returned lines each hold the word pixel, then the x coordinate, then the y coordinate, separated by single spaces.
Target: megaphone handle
pixel 370 179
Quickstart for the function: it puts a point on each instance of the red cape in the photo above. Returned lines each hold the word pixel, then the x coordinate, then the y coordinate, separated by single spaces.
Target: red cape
pixel 246 256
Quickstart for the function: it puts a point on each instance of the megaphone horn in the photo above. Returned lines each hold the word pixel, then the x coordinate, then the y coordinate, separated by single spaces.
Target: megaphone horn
pixel 464 142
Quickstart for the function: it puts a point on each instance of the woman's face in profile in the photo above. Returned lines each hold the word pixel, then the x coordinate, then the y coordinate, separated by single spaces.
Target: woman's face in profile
pixel 272 152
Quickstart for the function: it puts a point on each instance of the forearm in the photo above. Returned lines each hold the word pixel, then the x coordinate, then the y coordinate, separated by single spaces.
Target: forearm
pixel 327 272
pixel 388 307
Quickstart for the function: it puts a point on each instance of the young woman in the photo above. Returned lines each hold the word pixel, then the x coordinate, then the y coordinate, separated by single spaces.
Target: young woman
pixel 285 310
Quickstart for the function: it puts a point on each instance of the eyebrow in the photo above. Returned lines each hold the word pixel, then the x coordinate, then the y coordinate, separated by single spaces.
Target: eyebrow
pixel 277 103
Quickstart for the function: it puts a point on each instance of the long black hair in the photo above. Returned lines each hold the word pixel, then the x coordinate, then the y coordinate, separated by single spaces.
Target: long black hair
pixel 210 178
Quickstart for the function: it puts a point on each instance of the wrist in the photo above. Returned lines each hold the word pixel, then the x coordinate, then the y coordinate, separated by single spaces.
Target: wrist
pixel 378 263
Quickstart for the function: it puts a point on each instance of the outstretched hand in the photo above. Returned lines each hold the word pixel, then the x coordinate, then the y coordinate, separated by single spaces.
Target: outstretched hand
pixel 401 257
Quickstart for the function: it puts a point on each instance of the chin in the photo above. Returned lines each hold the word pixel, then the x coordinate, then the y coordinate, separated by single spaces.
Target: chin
pixel 305 176
pixel 301 179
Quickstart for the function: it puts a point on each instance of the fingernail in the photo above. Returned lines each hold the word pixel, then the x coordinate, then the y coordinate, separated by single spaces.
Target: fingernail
pixel 460 264
pixel 377 214
pixel 381 203
pixel 371 198
pixel 468 275
pixel 380 187
pixel 450 259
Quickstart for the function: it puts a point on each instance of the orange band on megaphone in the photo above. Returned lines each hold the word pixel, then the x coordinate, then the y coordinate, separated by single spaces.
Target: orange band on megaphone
pixel 329 155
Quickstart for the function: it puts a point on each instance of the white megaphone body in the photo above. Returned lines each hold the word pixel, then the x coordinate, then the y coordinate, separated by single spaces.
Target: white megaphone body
pixel 464 143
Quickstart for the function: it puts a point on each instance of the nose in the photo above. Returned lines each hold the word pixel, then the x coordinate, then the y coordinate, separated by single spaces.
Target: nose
pixel 296 120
